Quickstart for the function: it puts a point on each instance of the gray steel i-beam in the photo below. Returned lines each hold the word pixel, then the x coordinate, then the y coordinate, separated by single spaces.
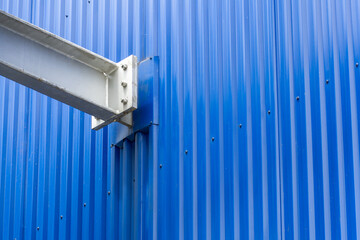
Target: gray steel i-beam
pixel 67 72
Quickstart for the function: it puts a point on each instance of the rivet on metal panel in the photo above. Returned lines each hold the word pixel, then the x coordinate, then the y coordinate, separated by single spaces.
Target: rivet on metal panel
pixel 327 81
pixel 61 217
pixel 297 98
pixel 240 125
pixel 186 151
pixel 124 67
pixel 212 139
pixel 108 192
pixel 160 166
pixel 84 204
pixel 357 64
pixel 124 101
pixel 124 84
pixel 38 228
pixel 269 112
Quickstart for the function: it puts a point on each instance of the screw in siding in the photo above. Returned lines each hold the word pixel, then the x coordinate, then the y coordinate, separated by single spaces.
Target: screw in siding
pixel 84 204
pixel 327 81
pixel 160 166
pixel 38 228
pixel 212 139
pixel 61 217
pixel 124 67
pixel 66 16
pixel 357 64
pixel 240 125
pixel 269 112
pixel 108 192
pixel 297 98
pixel 186 151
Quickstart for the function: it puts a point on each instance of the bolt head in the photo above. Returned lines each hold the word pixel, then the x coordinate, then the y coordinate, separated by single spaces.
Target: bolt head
pixel 124 101
pixel 124 84
pixel 124 67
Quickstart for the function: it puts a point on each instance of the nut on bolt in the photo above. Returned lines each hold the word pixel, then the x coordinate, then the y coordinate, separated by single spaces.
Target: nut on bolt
pixel 124 67
pixel 124 101
pixel 124 84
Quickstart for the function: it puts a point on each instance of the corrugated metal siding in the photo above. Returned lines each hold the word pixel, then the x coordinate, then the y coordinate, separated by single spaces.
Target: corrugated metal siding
pixel 317 50
pixel 240 156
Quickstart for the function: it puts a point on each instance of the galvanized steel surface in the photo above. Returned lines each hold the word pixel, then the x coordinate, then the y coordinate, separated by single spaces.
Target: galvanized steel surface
pixel 257 135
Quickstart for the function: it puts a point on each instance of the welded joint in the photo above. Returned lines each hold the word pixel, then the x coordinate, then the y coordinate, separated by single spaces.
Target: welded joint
pixel 124 81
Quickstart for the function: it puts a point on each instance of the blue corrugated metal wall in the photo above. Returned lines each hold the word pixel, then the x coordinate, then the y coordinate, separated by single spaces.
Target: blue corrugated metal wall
pixel 318 46
pixel 258 134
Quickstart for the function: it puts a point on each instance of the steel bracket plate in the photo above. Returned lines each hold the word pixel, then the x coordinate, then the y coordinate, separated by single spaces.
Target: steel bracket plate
pixel 147 113
pixel 122 87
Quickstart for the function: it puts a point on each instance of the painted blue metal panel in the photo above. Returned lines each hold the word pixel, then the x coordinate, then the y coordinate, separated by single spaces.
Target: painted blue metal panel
pixel 317 51
pixel 235 155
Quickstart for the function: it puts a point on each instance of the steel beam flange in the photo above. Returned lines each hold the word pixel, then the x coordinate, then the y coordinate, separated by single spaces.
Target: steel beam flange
pixel 68 72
